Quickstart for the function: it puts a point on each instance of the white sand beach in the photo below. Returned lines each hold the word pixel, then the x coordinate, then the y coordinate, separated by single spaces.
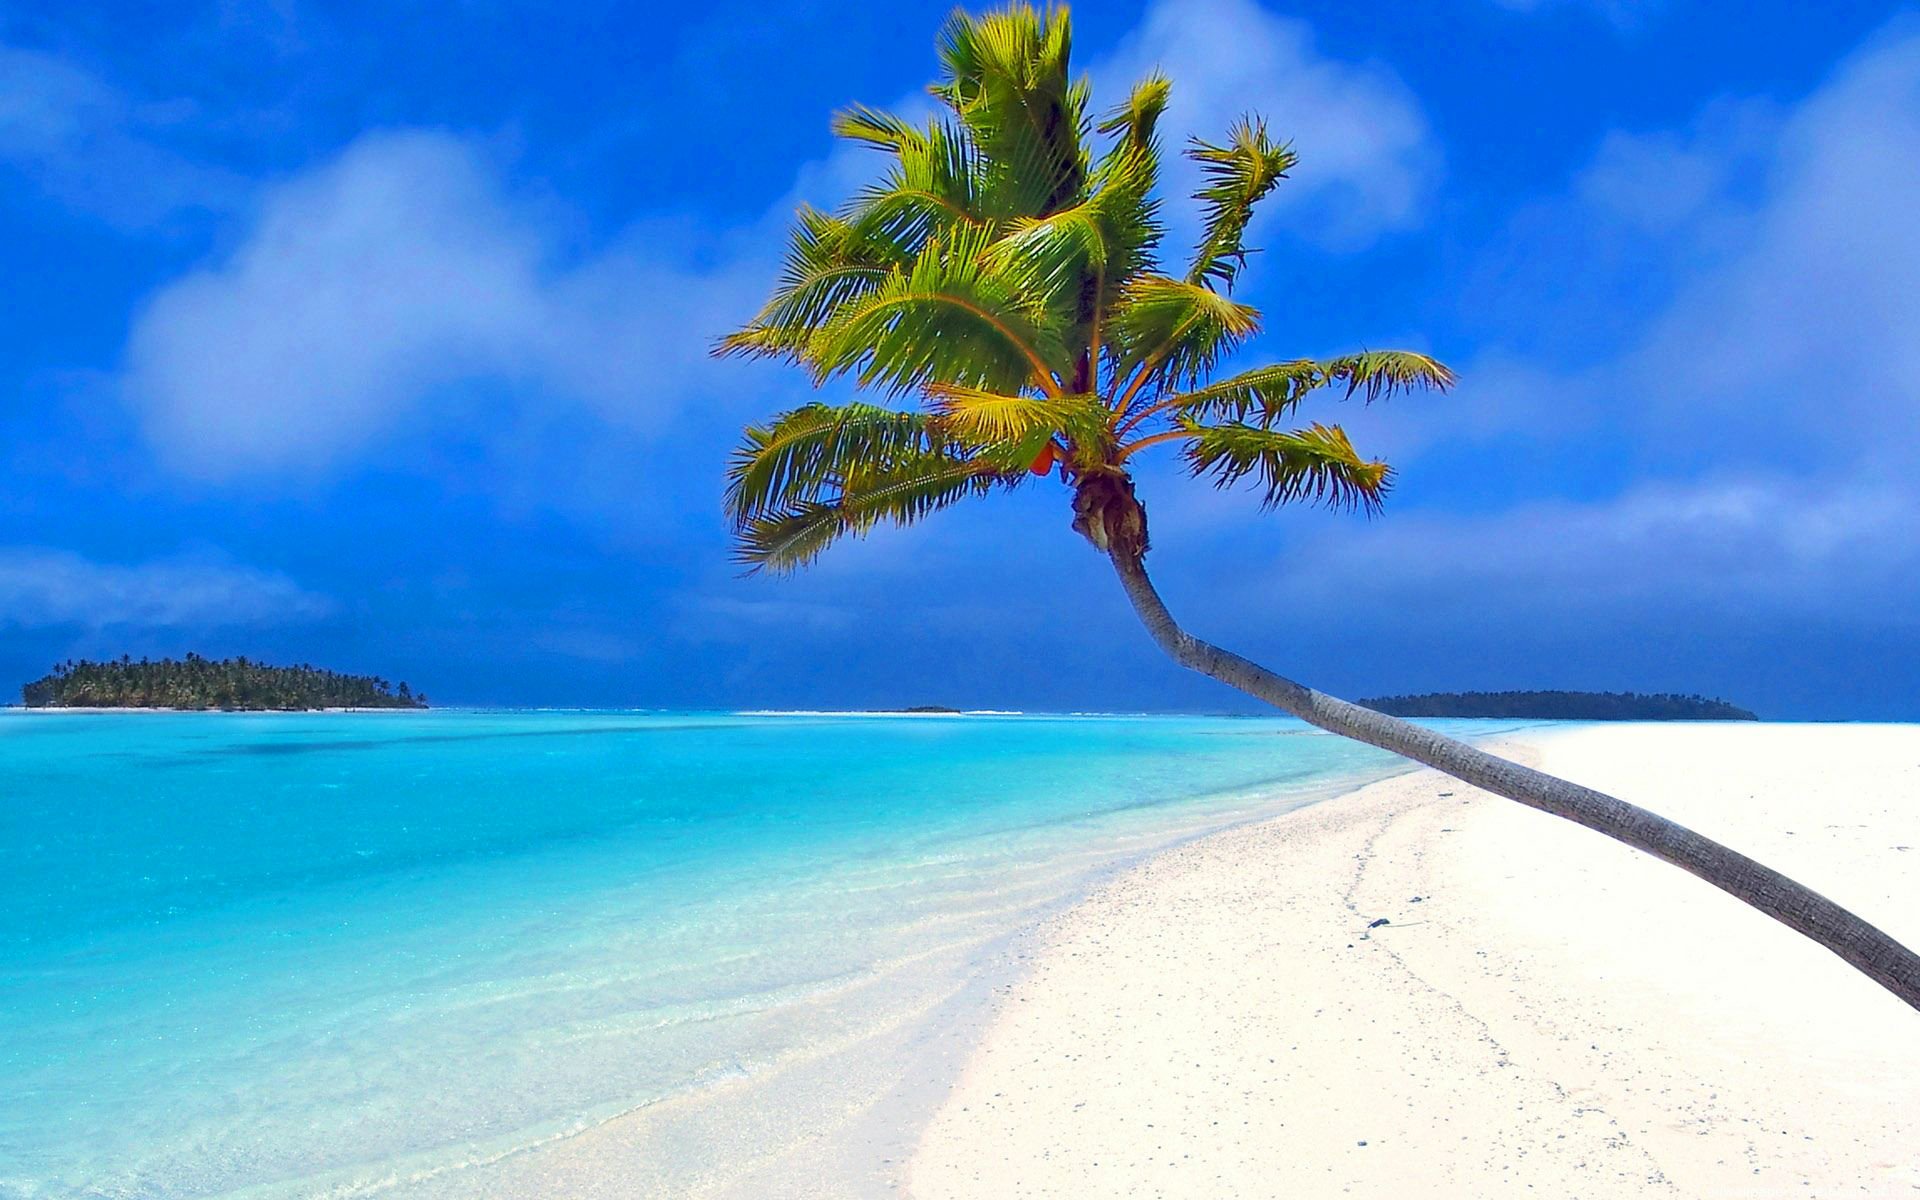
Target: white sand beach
pixel 1547 1012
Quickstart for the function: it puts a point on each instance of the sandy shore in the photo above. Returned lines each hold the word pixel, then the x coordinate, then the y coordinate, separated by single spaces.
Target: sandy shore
pixel 1547 1013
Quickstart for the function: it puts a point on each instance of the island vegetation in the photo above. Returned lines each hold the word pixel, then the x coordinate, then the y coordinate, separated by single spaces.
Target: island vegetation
pixel 196 682
pixel 1563 706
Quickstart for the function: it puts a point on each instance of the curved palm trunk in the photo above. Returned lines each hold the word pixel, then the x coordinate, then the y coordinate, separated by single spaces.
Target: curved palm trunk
pixel 1872 952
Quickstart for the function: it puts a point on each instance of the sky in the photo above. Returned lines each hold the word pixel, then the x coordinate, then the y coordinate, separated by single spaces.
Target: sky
pixel 376 336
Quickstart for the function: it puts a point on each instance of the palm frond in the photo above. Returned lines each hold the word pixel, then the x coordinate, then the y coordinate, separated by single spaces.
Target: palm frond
pixel 1317 464
pixel 791 537
pixel 1006 75
pixel 1376 374
pixel 1266 395
pixel 951 318
pixel 1170 332
pixel 875 127
pixel 1263 395
pixel 1128 213
pixel 1238 175
pixel 932 185
pixel 1049 256
pixel 829 263
pixel 788 539
pixel 812 451
pixel 1010 429
pixel 1137 120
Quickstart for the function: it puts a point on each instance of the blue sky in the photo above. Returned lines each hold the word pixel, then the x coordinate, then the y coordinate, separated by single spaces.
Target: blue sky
pixel 377 338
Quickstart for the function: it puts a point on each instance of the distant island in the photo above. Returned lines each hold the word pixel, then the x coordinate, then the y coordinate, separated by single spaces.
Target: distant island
pixel 204 683
pixel 1562 706
pixel 927 710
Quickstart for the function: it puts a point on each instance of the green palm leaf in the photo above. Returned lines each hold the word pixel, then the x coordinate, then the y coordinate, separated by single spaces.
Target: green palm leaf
pixel 1169 332
pixel 1048 257
pixel 1006 76
pixel 1317 463
pixel 829 264
pixel 814 449
pixel 1137 121
pixel 1128 213
pixel 1238 176
pixel 1375 374
pixel 1016 425
pixel 791 537
pixel 1266 395
pixel 932 185
pixel 1126 177
pixel 877 128
pixel 952 318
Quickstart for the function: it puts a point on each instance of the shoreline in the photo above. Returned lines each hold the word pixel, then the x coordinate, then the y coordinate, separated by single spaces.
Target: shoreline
pixel 770 1004
pixel 908 1071
pixel 1553 1011
pixel 1053 1018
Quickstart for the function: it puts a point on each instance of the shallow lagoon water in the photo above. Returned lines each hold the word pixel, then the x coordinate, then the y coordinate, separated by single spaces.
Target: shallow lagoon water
pixel 372 953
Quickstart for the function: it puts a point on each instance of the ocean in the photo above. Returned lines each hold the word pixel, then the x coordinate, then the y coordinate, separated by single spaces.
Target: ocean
pixel 396 954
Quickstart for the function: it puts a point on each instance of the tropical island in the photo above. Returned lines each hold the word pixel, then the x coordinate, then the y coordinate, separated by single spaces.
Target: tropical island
pixel 196 682
pixel 1563 706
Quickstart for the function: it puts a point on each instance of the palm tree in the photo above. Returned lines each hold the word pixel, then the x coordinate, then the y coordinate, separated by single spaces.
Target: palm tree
pixel 1006 277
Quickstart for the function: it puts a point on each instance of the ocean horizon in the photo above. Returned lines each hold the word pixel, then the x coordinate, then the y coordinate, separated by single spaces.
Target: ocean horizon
pixel 297 954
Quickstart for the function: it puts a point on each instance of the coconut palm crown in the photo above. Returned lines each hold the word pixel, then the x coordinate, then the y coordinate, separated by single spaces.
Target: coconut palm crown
pixel 1006 272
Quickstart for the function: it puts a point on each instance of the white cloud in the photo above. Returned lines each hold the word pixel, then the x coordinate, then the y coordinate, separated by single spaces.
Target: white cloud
pixel 1678 182
pixel 1741 544
pixel 1368 162
pixel 1803 345
pixel 1744 291
pixel 87 145
pixel 41 587
pixel 1664 584
pixel 386 280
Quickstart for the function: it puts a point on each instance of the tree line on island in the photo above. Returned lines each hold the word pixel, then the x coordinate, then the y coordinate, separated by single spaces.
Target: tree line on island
pixel 1563 706
pixel 197 682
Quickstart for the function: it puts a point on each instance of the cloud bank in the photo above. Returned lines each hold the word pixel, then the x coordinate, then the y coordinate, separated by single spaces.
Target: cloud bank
pixel 1801 344
pixel 1747 546
pixel 388 281
pixel 81 142
pixel 1749 285
pixel 43 588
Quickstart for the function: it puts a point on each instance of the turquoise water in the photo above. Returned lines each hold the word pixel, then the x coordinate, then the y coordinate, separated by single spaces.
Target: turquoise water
pixel 355 954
